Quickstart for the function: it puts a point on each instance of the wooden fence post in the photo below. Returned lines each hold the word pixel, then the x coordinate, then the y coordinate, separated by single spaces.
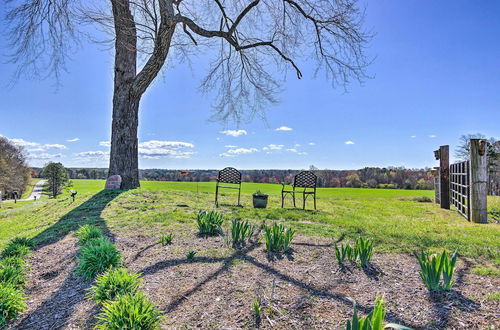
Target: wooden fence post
pixel 478 181
pixel 444 176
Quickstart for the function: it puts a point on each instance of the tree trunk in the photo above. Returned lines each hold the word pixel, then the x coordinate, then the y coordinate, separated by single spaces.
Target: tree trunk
pixel 124 146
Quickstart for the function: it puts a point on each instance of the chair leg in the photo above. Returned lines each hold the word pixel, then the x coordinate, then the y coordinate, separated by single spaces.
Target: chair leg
pixel 282 200
pixel 315 201
pixel 304 201
pixel 239 194
pixel 293 194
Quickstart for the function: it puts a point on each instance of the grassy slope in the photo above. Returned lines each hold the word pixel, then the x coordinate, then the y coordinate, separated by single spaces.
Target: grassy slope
pixel 390 217
pixel 29 189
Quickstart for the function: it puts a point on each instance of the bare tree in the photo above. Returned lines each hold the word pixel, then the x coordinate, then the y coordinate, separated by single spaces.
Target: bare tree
pixel 14 171
pixel 249 42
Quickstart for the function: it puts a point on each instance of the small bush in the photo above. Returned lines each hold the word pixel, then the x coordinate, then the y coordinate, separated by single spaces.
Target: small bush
pixel 23 241
pixel 241 231
pixel 364 251
pixel 190 255
pixel 11 303
pixel 210 222
pixel 87 233
pixel 436 270
pixel 113 283
pixel 374 320
pixel 166 239
pixel 131 311
pixel 97 256
pixel 278 238
pixel 16 250
pixel 13 275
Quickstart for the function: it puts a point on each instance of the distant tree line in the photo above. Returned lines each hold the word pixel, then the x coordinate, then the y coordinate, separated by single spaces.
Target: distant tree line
pixel 14 171
pixel 368 177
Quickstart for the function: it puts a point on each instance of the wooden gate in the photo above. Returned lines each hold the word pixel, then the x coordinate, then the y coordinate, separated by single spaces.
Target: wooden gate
pixel 460 187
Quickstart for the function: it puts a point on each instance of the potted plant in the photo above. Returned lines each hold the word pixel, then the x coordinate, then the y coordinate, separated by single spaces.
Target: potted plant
pixel 259 200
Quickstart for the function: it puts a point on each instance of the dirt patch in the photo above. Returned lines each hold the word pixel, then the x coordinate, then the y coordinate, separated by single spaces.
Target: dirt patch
pixel 302 290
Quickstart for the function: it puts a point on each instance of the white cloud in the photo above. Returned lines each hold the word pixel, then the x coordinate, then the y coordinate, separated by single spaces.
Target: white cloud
pixel 73 140
pixel 24 143
pixel 54 146
pixel 44 155
pixel 238 151
pixel 105 143
pixel 292 150
pixel 234 132
pixel 413 136
pixel 311 143
pixel 230 146
pixel 274 147
pixel 349 142
pixel 92 156
pixel 284 128
pixel 155 149
pixel 433 136
pixel 302 153
pixel 297 145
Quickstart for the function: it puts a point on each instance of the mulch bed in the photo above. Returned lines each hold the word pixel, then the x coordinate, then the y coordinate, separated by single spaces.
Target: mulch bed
pixel 302 290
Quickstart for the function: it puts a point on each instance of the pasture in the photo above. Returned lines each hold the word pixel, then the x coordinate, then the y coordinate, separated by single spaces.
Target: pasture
pixel 305 288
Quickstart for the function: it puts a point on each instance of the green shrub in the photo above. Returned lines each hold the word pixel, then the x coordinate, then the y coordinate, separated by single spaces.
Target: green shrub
pixel 23 241
pixel 87 232
pixel 16 250
pixel 190 255
pixel 113 283
pixel 166 239
pixel 241 231
pixel 13 261
pixel 97 256
pixel 373 321
pixel 13 275
pixel 436 270
pixel 12 303
pixel 363 251
pixel 210 222
pixel 278 238
pixel 131 311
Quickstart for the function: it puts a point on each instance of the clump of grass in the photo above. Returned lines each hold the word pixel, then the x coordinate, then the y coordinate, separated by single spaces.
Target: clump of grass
pixel 257 310
pixel 363 251
pixel 278 238
pixel 241 231
pixel 209 222
pixel 13 275
pixel 436 270
pixel 113 283
pixel 97 256
pixel 12 303
pixel 130 311
pixel 345 252
pixel 486 271
pixel 422 199
pixel 374 320
pixel 166 239
pixel 494 296
pixel 23 241
pixel 12 261
pixel 190 255
pixel 16 250
pixel 87 232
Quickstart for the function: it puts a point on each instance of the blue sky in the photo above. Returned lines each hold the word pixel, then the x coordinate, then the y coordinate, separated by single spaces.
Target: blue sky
pixel 436 76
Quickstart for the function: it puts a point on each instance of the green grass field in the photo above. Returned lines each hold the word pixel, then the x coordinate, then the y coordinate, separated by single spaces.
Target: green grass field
pixel 391 218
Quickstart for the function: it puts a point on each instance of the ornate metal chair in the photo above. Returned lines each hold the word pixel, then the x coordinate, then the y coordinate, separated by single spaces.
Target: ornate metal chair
pixel 229 175
pixel 306 180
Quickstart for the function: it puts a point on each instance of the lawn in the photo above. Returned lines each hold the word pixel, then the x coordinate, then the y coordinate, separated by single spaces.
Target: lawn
pixel 309 277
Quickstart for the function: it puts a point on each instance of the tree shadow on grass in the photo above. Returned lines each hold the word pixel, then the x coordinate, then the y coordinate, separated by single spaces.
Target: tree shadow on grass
pixel 55 311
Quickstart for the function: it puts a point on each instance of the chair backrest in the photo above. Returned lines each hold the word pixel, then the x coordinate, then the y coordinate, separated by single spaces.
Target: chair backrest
pixel 229 175
pixel 305 179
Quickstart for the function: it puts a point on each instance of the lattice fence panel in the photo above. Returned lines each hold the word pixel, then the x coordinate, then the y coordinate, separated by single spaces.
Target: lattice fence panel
pixel 460 187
